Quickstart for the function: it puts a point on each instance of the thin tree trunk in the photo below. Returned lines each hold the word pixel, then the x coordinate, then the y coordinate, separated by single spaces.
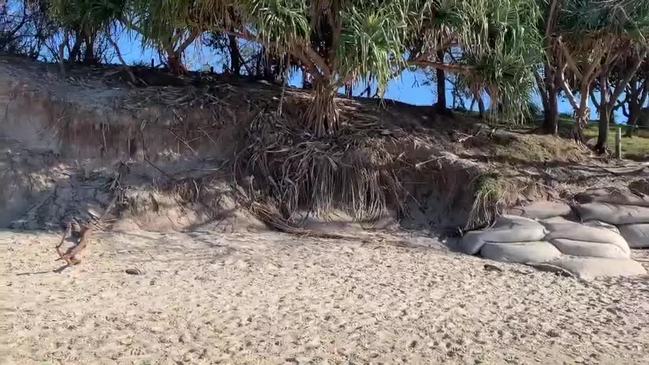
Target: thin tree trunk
pixel 633 117
pixel 604 113
pixel 551 123
pixel 582 113
pixel 74 52
pixel 348 90
pixel 61 51
pixel 441 85
pixel 121 59
pixel 235 55
pixel 542 85
pixel 549 93
pixel 604 124
pixel 89 54
pixel 481 106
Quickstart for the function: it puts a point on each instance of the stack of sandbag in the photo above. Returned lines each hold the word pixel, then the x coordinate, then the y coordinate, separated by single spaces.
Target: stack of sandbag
pixel 628 211
pixel 590 240
pixel 591 249
pixel 511 239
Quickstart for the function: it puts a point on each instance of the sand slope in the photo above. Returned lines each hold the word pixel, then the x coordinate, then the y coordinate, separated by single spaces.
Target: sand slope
pixel 267 298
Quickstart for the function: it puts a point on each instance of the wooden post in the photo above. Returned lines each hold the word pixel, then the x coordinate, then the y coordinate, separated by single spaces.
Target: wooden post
pixel 618 143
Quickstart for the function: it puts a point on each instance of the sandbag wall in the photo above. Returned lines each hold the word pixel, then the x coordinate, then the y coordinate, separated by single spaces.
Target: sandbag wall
pixel 590 239
pixel 626 210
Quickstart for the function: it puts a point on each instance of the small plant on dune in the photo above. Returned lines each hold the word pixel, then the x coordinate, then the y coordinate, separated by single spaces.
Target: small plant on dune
pixel 489 200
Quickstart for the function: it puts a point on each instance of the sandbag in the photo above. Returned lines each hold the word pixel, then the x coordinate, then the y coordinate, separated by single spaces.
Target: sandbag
pixel 543 210
pixel 564 229
pixel 548 223
pixel 636 235
pixel 614 214
pixel 594 267
pixel 520 252
pixel 506 229
pixel 599 224
pixel 590 249
pixel 612 196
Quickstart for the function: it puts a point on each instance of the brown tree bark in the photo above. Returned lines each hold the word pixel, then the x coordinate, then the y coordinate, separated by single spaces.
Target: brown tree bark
pixel 235 55
pixel 441 85
pixel 322 117
pixel 174 62
pixel 89 52
pixel 549 93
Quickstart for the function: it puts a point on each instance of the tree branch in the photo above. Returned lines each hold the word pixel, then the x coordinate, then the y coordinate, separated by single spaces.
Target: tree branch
pixel 567 90
pixel 630 72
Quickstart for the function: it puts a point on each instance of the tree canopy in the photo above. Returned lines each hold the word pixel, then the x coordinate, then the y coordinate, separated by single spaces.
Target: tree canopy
pixel 491 48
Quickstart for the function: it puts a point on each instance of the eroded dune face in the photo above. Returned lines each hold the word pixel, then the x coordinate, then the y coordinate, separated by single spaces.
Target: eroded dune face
pixel 70 145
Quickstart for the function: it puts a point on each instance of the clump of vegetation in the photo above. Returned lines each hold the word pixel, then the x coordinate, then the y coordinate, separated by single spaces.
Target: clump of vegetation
pixel 492 194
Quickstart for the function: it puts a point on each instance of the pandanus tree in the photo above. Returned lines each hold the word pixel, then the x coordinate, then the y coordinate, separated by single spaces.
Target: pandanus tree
pixel 589 38
pixel 335 41
pixel 612 82
pixel 495 43
pixel 434 26
pixel 166 25
pixel 86 19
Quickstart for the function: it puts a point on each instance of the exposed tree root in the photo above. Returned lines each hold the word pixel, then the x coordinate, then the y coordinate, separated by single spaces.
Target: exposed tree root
pixel 295 171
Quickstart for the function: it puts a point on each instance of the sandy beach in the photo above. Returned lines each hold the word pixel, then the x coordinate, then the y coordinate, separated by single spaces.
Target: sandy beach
pixel 268 298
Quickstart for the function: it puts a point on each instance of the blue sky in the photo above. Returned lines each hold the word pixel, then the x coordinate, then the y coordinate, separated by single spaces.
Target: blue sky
pixel 410 87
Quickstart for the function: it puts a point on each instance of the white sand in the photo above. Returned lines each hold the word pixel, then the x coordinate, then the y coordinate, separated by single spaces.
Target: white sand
pixel 271 298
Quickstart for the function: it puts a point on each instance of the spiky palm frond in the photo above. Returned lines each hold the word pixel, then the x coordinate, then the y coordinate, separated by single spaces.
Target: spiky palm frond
pixel 497 43
pixel 281 25
pixel 372 42
pixel 586 28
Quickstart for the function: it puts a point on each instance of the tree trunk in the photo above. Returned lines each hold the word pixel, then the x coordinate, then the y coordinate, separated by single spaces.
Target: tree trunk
pixel 235 55
pixel 322 114
pixel 637 98
pixel 550 103
pixel 76 47
pixel 174 62
pixel 605 111
pixel 604 124
pixel 89 54
pixel 348 90
pixel 582 115
pixel 634 115
pixel 441 85
pixel 481 106
pixel 551 122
